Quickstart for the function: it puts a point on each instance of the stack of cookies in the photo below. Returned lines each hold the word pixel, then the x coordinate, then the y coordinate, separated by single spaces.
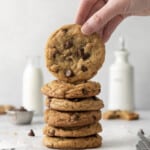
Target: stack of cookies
pixel 73 110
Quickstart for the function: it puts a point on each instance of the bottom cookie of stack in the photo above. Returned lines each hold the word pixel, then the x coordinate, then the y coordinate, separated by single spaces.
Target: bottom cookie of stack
pixel 73 143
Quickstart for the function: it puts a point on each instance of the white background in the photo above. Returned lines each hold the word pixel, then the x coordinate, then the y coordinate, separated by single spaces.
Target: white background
pixel 25 26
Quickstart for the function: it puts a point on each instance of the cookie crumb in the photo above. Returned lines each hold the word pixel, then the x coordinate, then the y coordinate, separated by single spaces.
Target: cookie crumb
pixel 31 133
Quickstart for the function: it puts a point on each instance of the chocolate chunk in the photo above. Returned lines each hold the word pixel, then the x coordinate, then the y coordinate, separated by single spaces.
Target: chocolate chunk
pixel 69 59
pixel 68 44
pixel 83 68
pixel 80 52
pixel 69 73
pixel 84 91
pixel 94 97
pixel 57 70
pixel 75 117
pixel 52 132
pixel 85 56
pixel 64 30
pixel 54 53
pixel 94 118
pixel 31 133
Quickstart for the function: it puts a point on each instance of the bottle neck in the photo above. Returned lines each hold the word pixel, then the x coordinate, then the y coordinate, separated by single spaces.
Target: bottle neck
pixel 33 61
pixel 121 56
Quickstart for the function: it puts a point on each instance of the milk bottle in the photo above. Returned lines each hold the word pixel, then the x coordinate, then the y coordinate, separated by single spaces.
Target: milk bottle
pixel 32 83
pixel 121 88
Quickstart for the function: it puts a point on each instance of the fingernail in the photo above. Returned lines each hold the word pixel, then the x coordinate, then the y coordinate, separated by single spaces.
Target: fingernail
pixel 86 29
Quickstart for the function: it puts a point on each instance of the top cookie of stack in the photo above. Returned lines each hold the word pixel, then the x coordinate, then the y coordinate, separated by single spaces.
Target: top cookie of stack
pixel 82 55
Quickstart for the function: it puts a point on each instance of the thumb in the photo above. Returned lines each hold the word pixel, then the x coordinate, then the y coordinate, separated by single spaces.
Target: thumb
pixel 100 19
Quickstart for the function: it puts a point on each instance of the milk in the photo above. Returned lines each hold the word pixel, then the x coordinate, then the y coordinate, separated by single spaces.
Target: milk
pixel 32 83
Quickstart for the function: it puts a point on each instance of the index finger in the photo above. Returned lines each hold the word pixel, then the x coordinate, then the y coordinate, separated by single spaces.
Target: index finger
pixel 84 10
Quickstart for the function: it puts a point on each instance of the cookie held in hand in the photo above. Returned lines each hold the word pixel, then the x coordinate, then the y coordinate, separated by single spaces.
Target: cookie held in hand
pixel 72 56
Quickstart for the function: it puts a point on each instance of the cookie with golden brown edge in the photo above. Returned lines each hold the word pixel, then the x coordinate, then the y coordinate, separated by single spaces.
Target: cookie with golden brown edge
pixel 5 108
pixel 73 131
pixel 71 119
pixel 78 104
pixel 120 114
pixel 72 56
pixel 73 143
pixel 60 89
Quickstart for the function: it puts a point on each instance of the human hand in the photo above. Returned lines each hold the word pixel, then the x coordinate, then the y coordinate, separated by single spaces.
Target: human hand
pixel 103 16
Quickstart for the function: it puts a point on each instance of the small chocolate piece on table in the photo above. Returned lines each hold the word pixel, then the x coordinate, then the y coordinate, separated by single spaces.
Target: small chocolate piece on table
pixel 31 133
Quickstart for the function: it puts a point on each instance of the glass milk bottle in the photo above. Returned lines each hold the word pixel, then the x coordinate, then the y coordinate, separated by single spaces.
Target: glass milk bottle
pixel 121 92
pixel 32 83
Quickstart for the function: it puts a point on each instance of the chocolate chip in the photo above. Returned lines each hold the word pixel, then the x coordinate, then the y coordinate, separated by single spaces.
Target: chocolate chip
pixel 84 91
pixel 52 132
pixel 94 118
pixel 69 73
pixel 80 52
pixel 69 59
pixel 68 44
pixel 54 53
pixel 94 97
pixel 83 68
pixel 85 56
pixel 64 30
pixel 75 117
pixel 31 133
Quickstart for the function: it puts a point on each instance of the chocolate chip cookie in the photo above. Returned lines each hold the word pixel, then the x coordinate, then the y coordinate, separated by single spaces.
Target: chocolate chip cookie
pixel 72 132
pixel 60 89
pixel 5 108
pixel 120 114
pixel 71 119
pixel 72 56
pixel 77 104
pixel 73 143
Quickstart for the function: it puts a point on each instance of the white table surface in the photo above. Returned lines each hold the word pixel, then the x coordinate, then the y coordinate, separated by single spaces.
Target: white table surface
pixel 117 134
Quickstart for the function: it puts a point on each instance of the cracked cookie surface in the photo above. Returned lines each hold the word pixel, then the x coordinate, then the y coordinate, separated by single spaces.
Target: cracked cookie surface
pixel 71 119
pixel 76 104
pixel 60 89
pixel 72 132
pixel 72 56
pixel 120 114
